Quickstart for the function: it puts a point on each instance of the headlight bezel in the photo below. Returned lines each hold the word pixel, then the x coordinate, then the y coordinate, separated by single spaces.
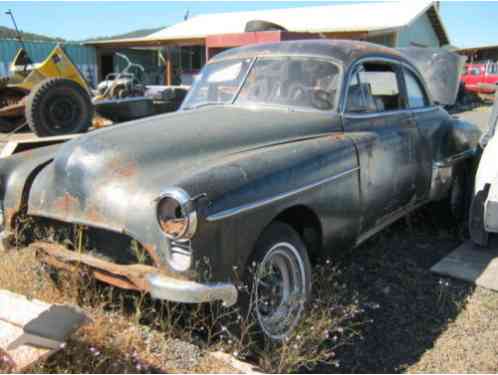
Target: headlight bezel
pixel 187 210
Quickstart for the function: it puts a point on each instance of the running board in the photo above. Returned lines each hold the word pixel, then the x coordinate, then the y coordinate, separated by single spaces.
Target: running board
pixel 31 330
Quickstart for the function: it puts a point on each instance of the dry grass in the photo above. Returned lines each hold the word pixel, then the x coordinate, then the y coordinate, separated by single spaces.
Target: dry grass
pixel 130 333
pixel 114 342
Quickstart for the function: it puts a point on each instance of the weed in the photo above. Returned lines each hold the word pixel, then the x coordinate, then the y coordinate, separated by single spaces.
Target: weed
pixel 127 322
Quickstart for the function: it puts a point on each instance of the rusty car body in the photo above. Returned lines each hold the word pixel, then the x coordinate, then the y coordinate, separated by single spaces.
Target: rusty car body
pixel 280 153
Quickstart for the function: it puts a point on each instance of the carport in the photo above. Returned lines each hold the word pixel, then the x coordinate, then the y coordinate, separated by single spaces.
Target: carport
pixel 186 46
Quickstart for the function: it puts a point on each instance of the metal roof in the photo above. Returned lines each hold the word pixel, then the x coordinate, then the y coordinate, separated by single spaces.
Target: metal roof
pixel 368 17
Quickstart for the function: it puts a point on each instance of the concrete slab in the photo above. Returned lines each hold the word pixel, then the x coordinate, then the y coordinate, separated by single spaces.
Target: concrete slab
pixel 31 330
pixel 471 263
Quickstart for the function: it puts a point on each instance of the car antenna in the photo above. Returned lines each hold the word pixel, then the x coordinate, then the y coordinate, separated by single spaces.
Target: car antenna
pixel 19 38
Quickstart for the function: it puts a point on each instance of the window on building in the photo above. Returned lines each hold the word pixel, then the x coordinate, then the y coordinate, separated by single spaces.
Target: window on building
pixel 192 57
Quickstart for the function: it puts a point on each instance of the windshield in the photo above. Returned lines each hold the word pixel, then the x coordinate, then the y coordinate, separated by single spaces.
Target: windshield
pixel 289 81
pixel 217 84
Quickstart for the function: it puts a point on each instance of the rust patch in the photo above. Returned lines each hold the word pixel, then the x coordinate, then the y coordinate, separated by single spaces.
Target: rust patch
pixel 94 215
pixel 338 137
pixel 128 277
pixel 114 280
pixel 174 226
pixel 152 251
pixel 125 169
pixel 66 203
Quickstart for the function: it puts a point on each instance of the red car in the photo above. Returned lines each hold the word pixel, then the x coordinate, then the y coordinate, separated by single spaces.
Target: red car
pixel 477 76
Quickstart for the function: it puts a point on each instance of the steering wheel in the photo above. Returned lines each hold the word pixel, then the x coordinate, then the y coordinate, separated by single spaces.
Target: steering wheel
pixel 297 94
pixel 322 99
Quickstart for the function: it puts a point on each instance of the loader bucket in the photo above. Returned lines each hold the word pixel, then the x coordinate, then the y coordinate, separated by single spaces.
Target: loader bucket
pixel 57 64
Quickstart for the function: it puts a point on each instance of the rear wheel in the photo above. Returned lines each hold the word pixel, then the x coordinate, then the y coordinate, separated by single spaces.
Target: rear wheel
pixel 281 281
pixel 454 208
pixel 58 106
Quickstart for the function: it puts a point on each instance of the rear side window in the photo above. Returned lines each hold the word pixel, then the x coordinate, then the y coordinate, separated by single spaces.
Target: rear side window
pixel 416 97
pixel 374 88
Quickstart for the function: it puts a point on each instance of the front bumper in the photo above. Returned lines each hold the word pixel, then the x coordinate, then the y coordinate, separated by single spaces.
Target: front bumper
pixel 137 277
pixel 170 289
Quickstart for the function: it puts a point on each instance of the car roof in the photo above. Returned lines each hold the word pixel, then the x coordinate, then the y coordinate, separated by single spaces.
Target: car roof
pixel 341 50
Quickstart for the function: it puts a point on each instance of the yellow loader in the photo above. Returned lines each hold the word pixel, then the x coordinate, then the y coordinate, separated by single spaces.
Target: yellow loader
pixel 51 97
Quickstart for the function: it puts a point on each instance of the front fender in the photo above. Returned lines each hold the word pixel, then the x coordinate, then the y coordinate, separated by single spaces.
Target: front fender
pixel 248 191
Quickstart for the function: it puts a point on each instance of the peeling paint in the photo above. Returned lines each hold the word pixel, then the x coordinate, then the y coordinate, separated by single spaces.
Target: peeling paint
pixel 66 204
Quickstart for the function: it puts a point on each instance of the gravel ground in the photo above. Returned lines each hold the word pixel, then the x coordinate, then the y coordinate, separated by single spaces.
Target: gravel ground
pixel 478 116
pixel 420 322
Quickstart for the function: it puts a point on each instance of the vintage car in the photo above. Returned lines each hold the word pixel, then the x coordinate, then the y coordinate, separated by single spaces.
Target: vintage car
pixel 281 153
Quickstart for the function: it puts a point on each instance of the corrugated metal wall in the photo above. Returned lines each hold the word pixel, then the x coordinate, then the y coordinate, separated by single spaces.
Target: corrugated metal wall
pixel 83 56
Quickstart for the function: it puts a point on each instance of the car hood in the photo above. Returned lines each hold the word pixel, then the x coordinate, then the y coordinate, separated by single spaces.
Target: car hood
pixel 105 176
pixel 441 70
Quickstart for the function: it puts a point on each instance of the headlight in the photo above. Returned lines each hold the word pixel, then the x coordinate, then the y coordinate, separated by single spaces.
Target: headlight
pixel 176 215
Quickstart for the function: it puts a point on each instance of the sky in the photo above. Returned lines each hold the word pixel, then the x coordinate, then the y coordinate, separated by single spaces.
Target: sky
pixel 469 23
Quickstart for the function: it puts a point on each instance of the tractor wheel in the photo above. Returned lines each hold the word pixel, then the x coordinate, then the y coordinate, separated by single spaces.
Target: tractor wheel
pixel 58 106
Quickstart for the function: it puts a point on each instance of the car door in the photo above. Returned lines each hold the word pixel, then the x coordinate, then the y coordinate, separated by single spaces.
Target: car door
pixel 374 108
pixel 425 116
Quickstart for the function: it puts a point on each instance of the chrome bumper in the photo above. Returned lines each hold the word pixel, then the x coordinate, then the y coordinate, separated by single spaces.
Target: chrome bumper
pixel 170 289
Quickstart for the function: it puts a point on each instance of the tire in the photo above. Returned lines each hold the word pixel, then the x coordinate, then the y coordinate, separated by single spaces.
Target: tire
pixel 455 206
pixel 281 277
pixel 58 106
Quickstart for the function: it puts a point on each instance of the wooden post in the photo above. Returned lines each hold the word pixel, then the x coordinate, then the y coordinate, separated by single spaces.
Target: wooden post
pixel 169 73
pixel 168 69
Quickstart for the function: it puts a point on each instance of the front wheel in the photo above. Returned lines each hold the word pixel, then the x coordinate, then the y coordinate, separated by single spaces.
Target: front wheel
pixel 281 281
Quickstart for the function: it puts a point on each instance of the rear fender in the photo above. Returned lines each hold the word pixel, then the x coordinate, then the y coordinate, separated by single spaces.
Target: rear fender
pixel 455 142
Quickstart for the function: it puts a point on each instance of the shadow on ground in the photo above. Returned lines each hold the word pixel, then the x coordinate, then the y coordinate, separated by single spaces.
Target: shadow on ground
pixel 414 305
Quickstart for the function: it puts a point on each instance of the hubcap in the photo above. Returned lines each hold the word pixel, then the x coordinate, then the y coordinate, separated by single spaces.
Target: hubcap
pixel 280 290
pixel 62 113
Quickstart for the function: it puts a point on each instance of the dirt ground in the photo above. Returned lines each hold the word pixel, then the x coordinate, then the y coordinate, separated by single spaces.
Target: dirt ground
pixel 422 322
